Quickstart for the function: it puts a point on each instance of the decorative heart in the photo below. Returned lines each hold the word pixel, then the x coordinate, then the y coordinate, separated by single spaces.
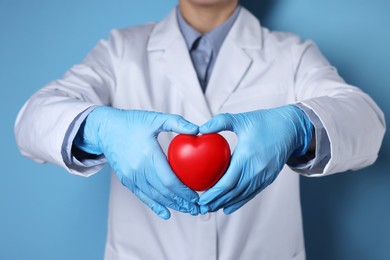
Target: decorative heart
pixel 199 161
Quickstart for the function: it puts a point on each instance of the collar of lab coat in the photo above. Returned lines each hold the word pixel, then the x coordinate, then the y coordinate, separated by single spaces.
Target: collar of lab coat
pixel 245 32
pixel 231 65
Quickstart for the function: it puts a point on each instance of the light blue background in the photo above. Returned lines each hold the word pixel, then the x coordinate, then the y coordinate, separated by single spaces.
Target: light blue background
pixel 47 214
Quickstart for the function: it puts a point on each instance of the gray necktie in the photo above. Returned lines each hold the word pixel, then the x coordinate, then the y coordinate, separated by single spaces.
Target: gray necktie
pixel 201 53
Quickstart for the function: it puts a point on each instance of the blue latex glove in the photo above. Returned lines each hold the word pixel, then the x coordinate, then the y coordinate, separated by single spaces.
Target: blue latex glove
pixel 128 139
pixel 266 140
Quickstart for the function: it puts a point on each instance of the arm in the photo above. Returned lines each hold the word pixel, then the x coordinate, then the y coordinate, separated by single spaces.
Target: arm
pixel 268 139
pixel 48 116
pixel 79 104
pixel 353 122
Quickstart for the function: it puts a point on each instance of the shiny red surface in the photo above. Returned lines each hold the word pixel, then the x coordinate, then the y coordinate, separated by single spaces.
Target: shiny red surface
pixel 199 161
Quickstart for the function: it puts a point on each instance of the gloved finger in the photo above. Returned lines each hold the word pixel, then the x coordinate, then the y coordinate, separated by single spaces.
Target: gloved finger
pixel 236 194
pixel 162 195
pixel 225 184
pixel 240 191
pixel 253 187
pixel 178 204
pixel 168 198
pixel 218 123
pixel 249 193
pixel 157 208
pixel 229 209
pixel 177 124
pixel 170 180
pixel 204 209
pixel 243 189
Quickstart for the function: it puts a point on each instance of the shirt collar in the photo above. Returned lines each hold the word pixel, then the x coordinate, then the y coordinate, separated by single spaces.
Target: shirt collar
pixel 215 37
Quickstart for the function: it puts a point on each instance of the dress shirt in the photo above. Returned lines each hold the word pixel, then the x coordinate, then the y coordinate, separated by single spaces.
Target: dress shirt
pixel 204 48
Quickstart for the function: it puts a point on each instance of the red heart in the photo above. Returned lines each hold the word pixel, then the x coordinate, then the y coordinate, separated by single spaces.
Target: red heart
pixel 199 161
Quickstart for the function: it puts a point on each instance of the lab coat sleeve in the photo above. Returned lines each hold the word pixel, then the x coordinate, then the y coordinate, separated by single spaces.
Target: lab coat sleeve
pixel 44 121
pixel 354 123
pixel 308 165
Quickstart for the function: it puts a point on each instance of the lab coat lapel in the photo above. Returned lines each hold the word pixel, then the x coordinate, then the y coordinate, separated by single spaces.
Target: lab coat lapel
pixel 233 61
pixel 176 62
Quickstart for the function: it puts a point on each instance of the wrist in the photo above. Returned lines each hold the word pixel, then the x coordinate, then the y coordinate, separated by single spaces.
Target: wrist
pixel 304 129
pixel 87 139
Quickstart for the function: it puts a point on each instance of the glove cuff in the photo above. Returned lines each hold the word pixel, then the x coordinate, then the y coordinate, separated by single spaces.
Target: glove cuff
pixel 81 142
pixel 304 130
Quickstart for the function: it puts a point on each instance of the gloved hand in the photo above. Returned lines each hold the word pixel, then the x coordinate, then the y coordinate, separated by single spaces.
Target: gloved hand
pixel 266 140
pixel 128 139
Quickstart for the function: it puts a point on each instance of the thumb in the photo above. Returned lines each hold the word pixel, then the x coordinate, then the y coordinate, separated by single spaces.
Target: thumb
pixel 177 124
pixel 218 123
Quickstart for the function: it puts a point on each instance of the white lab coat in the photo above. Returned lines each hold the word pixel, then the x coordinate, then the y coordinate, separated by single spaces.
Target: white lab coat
pixel 148 67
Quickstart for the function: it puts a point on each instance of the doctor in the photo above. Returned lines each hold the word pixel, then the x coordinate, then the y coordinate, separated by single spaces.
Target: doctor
pixel 283 108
